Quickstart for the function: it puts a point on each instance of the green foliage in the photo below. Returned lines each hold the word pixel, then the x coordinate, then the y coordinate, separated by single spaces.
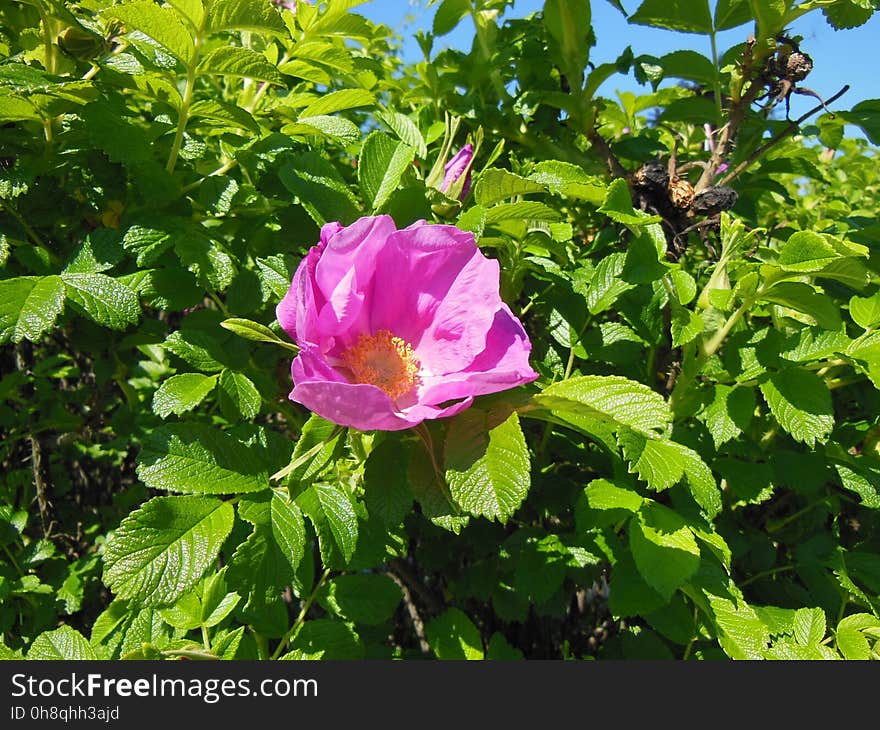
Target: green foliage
pixel 695 473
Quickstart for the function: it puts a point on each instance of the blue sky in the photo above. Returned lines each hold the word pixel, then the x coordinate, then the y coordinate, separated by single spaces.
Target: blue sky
pixel 845 56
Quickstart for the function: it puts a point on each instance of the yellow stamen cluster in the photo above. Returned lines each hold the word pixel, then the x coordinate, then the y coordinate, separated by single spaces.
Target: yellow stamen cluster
pixel 385 361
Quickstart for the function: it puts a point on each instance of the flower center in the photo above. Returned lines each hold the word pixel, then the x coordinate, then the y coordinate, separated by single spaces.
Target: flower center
pixel 383 360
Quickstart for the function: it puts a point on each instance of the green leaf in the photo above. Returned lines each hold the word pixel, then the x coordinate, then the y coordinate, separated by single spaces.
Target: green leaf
pixel 381 165
pixel 731 13
pixel 804 298
pixel 604 495
pixel 64 643
pixel 863 479
pixel 452 635
pixel 630 594
pixel 495 185
pixel 386 490
pixel 326 639
pixel 687 16
pixel 238 395
pixel 610 399
pixel 741 634
pixel 865 311
pixel 337 101
pixel 233 61
pixel 255 331
pixel 315 431
pixel 525 211
pixel 339 129
pixel 618 206
pixel 569 181
pixel 364 599
pixel 448 15
pixel 226 115
pixel 197 348
pixel 181 393
pixel 801 403
pixel 194 457
pixel 29 306
pixel 405 128
pixel 850 640
pixel 663 547
pixel 161 550
pixel 660 463
pixel 865 114
pixel 689 65
pixel 848 13
pixel 185 613
pixel 806 252
pixel 340 515
pixel 106 301
pixel 320 189
pixel 567 22
pixel 540 568
pixel 163 25
pixel 809 626
pixel 686 326
pixel 487 470
pixel 729 414
pixel 252 15
pixel 269 558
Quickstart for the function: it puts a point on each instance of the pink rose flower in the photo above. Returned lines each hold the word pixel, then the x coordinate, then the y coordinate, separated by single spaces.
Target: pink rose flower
pixel 459 166
pixel 398 326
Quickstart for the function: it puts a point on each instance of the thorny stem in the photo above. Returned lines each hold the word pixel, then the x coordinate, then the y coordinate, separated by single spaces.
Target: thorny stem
pixel 294 630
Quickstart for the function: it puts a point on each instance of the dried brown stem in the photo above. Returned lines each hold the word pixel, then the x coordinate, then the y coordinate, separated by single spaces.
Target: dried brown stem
pixel 773 141
pixel 413 611
pixel 606 153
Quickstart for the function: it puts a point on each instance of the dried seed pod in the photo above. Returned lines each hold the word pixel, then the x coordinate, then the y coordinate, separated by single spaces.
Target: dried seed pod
pixel 652 176
pixel 681 193
pixel 798 66
pixel 714 200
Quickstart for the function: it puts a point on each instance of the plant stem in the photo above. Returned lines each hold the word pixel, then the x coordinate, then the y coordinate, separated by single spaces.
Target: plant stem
pixel 303 458
pixel 767 574
pixel 294 630
pixel 186 103
pixel 206 638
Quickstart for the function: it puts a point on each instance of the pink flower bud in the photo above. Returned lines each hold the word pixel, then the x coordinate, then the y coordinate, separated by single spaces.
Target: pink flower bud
pixel 458 167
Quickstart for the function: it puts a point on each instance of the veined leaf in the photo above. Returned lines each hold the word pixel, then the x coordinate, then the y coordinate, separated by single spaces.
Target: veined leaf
pixel 161 550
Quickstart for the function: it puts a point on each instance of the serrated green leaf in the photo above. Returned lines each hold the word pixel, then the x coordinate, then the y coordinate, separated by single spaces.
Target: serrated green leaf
pixel 569 181
pixel 64 643
pixel 604 495
pixel 197 348
pixel 251 15
pixel 29 306
pixel 104 299
pixel 161 550
pixel 406 130
pixel 386 490
pixel 527 210
pixel 851 642
pixel 452 635
pixel 448 15
pixel 194 457
pixel 809 626
pixel 663 547
pixel 161 24
pixel 341 518
pixel 233 61
pixel 381 165
pixel 364 599
pixel 320 188
pixel 338 101
pixel 729 414
pixel 181 393
pixel 801 403
pixel 326 639
pixel 487 470
pixel 496 185
pixel 865 311
pixel 687 16
pixel 238 395
pixel 610 399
